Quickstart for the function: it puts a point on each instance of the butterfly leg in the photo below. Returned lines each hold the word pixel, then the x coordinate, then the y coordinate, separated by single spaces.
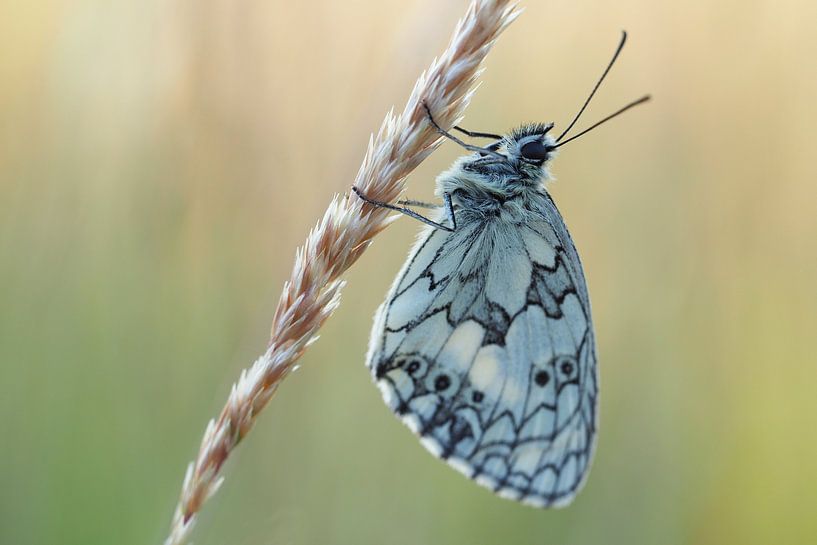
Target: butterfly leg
pixel 449 208
pixel 419 204
pixel 490 150
pixel 449 211
pixel 475 134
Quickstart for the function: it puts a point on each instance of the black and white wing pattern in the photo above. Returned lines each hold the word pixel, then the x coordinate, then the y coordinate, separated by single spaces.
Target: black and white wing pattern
pixel 484 347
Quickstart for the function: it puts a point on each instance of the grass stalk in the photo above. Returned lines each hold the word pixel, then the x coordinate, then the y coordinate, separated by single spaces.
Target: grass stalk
pixel 348 226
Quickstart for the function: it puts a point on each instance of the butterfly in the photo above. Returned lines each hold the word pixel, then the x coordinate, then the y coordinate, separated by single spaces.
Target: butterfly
pixel 485 345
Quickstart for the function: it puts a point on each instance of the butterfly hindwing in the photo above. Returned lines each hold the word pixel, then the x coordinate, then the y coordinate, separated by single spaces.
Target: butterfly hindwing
pixel 485 348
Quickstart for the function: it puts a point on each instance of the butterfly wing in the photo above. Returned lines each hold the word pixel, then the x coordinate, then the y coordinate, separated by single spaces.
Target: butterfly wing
pixel 484 347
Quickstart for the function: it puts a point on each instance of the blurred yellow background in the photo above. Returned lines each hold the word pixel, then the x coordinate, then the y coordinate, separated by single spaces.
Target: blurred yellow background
pixel 161 160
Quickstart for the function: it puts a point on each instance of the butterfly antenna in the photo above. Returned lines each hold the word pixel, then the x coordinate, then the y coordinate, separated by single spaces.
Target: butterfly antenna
pixel 598 83
pixel 641 100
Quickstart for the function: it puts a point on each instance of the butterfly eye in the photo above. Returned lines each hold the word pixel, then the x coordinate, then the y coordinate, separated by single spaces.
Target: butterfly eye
pixel 534 151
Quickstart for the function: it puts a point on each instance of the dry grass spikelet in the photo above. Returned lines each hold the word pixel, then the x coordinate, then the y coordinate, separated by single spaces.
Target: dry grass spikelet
pixel 313 291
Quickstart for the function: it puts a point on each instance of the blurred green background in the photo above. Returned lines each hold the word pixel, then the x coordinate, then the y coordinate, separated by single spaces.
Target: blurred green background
pixel 161 160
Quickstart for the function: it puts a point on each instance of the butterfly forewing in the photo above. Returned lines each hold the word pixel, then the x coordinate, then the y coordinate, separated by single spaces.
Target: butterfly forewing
pixel 484 347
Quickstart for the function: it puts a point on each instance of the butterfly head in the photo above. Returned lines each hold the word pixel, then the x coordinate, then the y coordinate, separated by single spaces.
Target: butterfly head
pixel 529 147
pixel 520 155
pixel 513 162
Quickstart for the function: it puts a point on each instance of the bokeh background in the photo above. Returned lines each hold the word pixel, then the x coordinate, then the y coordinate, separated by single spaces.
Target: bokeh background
pixel 161 160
